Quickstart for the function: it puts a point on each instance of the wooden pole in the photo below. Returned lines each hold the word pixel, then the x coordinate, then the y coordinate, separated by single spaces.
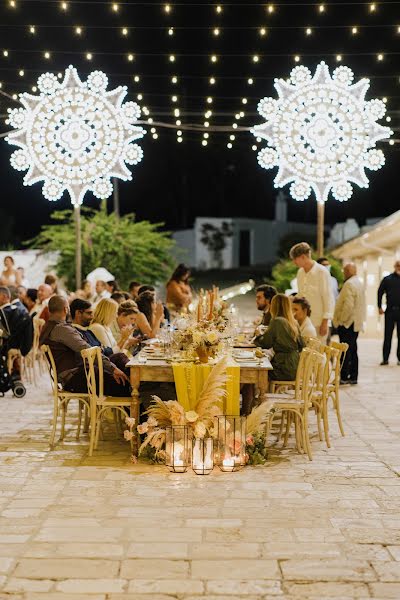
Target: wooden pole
pixel 78 249
pixel 320 228
pixel 116 197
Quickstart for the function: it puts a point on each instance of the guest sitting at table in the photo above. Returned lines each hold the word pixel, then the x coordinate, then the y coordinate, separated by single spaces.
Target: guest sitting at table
pixel 133 289
pixel 152 289
pixel 104 315
pixel 30 301
pixel 66 343
pixel 112 286
pixel 119 297
pixel 86 292
pixel 179 292
pixel 301 312
pixel 284 337
pixel 151 315
pixel 125 325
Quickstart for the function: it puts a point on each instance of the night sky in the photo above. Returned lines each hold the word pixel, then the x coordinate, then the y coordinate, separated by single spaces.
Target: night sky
pixel 177 182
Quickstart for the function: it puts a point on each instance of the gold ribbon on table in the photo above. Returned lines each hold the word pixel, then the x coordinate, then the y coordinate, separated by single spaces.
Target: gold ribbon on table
pixel 189 381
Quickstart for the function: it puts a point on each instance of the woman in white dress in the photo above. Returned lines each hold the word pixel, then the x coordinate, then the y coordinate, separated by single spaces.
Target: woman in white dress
pixel 302 312
pixel 10 275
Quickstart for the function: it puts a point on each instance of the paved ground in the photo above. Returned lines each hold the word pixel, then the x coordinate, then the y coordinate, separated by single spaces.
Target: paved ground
pixel 74 528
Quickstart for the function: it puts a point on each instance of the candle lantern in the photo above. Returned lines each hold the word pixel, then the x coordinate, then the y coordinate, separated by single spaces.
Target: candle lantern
pixel 230 452
pixel 177 448
pixel 202 455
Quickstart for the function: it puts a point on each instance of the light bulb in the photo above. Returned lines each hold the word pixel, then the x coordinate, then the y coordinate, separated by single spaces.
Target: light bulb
pixel 177 112
pixel 115 7
pixel 32 29
pixel 232 137
pixel 153 130
pixel 218 9
pixel 338 57
pixel 89 56
pixel 229 145
pixel 204 142
pixel 179 132
pixel 212 80
pixel 234 125
pixel 179 140
pixel 321 8
pixel 216 31
pixel 174 98
pixel 78 30
pixel 391 142
pixel 178 122
pixel 270 8
pixel 206 135
pixel 171 58
pixel 140 96
pixel 206 124
pixel 136 79
pixel 214 58
pixel 124 31
pixel 380 57
pixel 256 58
pixel 297 58
pixel 5 52
pixel 12 3
pixel 64 5
pixel 308 31
pixel 155 136
pixel 244 100
pixel 130 57
pixel 21 73
pixel 354 30
pixel 263 31
pixel 254 147
pixel 171 31
pixel 372 7
pixel 250 81
pixel 167 8
pixel 174 79
pixel 47 55
pixel 209 100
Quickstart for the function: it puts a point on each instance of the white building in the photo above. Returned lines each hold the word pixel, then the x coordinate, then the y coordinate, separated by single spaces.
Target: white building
pixel 374 253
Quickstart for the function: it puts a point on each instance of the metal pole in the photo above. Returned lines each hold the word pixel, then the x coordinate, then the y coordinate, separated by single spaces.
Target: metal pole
pixel 78 250
pixel 320 228
pixel 116 197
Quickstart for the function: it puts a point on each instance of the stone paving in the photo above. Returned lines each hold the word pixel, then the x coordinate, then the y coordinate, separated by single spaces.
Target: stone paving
pixel 101 528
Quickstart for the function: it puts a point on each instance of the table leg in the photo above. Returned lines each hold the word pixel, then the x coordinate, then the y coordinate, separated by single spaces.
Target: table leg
pixel 135 403
pixel 262 384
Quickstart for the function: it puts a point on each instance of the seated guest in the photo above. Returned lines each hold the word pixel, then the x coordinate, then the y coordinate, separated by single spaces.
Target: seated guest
pixel 15 299
pixel 86 292
pixel 119 297
pixel 30 301
pixel 264 295
pixel 44 293
pixel 179 292
pixel 82 315
pixel 101 291
pixel 301 312
pixel 125 326
pixel 133 289
pixel 151 315
pixel 16 328
pixel 66 343
pixel 152 289
pixel 112 286
pixel 52 281
pixel 284 337
pixel 21 293
pixel 104 315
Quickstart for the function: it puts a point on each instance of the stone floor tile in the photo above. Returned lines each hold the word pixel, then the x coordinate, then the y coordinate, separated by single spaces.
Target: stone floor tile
pixel 62 568
pixel 15 584
pixel 172 550
pixel 387 571
pixel 166 586
pixel 257 587
pixel 157 568
pixel 91 586
pixel 62 596
pixel 209 550
pixel 235 569
pixel 319 590
pixel 395 552
pixel 328 570
pixel 385 590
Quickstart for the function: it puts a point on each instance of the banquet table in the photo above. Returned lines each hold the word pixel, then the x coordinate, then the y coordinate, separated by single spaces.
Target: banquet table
pixel 160 370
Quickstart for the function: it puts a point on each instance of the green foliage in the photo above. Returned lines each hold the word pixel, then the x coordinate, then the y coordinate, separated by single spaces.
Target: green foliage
pixel 128 249
pixel 214 238
pixel 285 271
pixel 256 449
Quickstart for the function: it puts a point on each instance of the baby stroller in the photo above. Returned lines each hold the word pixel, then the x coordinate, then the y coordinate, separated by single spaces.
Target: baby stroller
pixel 9 379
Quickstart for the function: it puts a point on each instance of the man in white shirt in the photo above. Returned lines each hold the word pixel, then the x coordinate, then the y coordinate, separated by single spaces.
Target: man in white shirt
pixel 314 283
pixel 349 319
pixel 101 291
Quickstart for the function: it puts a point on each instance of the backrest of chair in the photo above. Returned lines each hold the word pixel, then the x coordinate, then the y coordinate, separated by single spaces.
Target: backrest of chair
pixel 93 364
pixel 342 348
pixel 51 365
pixel 300 372
pixel 314 344
pixel 314 363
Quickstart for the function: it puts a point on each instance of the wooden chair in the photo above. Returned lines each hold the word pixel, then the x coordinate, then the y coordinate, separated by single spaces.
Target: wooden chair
pixel 99 403
pixel 297 406
pixel 325 381
pixel 334 385
pixel 61 398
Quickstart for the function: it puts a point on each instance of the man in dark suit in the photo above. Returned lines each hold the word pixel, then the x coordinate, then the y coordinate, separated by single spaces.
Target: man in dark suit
pixel 390 285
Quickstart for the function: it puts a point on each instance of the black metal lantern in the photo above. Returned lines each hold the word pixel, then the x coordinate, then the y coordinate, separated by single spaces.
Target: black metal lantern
pixel 202 455
pixel 230 453
pixel 177 448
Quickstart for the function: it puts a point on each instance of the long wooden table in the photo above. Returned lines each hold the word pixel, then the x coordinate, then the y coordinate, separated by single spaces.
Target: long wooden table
pixel 161 371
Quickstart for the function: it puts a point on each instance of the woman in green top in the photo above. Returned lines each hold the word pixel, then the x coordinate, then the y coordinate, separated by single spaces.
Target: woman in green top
pixel 284 337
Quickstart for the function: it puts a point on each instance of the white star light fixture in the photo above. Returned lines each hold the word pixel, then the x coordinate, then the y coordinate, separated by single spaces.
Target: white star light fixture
pixel 75 135
pixel 321 133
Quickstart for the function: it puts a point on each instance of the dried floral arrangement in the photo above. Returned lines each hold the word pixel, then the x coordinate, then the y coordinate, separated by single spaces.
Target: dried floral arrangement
pixel 256 442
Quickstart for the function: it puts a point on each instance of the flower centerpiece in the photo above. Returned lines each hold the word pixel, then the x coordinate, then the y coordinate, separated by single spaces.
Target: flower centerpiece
pixel 203 339
pixel 199 421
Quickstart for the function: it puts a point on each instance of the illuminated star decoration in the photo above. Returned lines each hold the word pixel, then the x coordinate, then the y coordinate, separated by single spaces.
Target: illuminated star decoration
pixel 75 136
pixel 321 133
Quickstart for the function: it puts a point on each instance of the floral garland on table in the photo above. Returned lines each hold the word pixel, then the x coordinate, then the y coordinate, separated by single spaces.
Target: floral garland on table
pixel 165 414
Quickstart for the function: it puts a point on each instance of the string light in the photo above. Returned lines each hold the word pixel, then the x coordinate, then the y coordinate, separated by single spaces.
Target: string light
pixel 208 114
pixel 171 31
pixel 179 140
pixel 297 58
pixel 234 125
pixel 21 73
pixel 177 112
pixel 179 133
pixel 372 7
pixel 130 57
pixel 214 58
pixel 64 5
pixel 89 56
pixel 338 57
pixel 254 147
pixel 167 8
pixel 178 122
pixel 391 142
pixel 354 30
pixel 136 79
pixel 204 142
pixel 32 29
pixel 321 8
pixel 115 7
pixel 216 31
pixel 380 57
pixel 270 8
pixel 47 55
pixel 263 31
pixel 5 53
pixel 209 100
pixel 124 31
pixel 308 31
pixel 229 145
pixel 206 135
pixel 218 9
pixel 171 58
pixel 256 58
pixel 174 98
pixel 231 137
pixel 12 3
pixel 250 81
pixel 206 124
pixel 155 136
pixel 174 79
pixel 244 100
pixel 212 80
pixel 78 30
pixel 398 29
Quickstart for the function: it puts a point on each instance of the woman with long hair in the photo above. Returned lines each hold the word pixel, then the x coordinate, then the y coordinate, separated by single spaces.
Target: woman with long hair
pixel 104 315
pixel 284 337
pixel 151 314
pixel 179 292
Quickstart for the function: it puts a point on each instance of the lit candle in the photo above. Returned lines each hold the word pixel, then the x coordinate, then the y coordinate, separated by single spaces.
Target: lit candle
pixel 228 464
pixel 211 298
pixel 200 309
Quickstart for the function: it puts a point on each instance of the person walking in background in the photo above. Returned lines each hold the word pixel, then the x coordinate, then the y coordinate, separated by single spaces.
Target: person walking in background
pixel 314 283
pixel 349 318
pixel 390 285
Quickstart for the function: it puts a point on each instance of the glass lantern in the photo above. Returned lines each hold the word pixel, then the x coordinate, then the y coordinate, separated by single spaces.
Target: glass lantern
pixel 230 452
pixel 177 448
pixel 202 455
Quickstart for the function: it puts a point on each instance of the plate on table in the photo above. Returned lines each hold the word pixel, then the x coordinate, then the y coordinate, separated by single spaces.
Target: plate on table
pixel 244 345
pixel 150 341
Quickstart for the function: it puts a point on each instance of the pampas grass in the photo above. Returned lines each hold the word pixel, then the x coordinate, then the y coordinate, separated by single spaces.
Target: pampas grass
pixel 258 417
pixel 214 390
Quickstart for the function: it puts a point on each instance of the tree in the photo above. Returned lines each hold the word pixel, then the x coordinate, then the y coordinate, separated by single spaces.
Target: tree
pixel 214 238
pixel 128 249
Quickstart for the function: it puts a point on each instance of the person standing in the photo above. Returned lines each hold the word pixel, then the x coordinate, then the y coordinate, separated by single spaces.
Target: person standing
pixel 314 283
pixel 349 318
pixel 390 285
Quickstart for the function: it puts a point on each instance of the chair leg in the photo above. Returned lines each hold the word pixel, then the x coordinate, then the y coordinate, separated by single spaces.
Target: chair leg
pixel 86 419
pixel 319 416
pixel 326 422
pixel 54 427
pixel 337 409
pixel 64 414
pixel 306 437
pixel 287 431
pixel 298 434
pixel 93 425
pixel 78 431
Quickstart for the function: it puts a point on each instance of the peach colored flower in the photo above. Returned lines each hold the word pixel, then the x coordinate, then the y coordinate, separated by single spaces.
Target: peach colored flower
pixel 200 430
pixel 250 440
pixel 128 435
pixel 143 428
pixel 152 422
pixel 130 421
pixel 191 416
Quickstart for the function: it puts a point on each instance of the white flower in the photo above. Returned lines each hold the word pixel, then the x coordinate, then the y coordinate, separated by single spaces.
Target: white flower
pixel 197 337
pixel 130 421
pixel 152 422
pixel 212 337
pixel 128 435
pixel 191 416
pixel 200 429
pixel 143 428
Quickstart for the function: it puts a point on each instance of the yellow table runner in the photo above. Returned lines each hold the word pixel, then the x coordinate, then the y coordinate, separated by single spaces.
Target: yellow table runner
pixel 189 381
